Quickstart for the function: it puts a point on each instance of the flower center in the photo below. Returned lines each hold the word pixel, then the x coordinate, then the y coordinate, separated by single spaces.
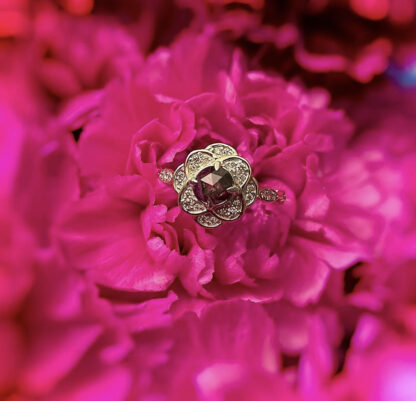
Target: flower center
pixel 212 185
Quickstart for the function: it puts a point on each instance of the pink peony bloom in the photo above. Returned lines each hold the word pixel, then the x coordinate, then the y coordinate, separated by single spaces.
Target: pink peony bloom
pixel 127 231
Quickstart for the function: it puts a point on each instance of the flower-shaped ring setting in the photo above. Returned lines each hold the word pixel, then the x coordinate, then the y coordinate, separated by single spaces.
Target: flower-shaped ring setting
pixel 215 185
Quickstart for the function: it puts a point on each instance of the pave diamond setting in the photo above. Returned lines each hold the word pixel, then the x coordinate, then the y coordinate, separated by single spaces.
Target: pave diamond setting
pixel 166 175
pixel 215 185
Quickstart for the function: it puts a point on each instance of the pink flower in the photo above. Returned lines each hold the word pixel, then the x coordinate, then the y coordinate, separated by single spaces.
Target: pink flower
pixel 62 342
pixel 74 55
pixel 19 90
pixel 16 252
pixel 109 291
pixel 230 352
pixel 14 18
pixel 399 12
pixel 380 365
pixel 16 243
pixel 58 339
pixel 375 301
pixel 127 230
pixel 325 42
pixel 386 148
pixel 26 303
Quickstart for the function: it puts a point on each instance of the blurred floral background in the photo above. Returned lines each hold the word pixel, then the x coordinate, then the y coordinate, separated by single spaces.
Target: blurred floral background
pixel 109 293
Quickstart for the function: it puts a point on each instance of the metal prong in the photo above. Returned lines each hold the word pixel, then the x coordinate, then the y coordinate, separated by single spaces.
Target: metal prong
pixel 217 165
pixel 234 188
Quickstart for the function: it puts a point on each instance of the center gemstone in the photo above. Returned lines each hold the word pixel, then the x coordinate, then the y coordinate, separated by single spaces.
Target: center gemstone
pixel 212 185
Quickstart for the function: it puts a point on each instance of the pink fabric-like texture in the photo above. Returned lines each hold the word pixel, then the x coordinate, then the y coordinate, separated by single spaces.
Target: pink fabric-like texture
pixel 109 291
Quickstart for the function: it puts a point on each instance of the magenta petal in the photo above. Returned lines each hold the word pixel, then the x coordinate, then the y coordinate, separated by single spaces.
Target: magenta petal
pixel 103 234
pixel 105 142
pixel 305 275
pixel 200 268
pixel 51 360
pixel 108 384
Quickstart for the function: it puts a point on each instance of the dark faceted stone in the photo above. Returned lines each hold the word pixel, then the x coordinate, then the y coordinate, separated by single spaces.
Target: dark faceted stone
pixel 212 185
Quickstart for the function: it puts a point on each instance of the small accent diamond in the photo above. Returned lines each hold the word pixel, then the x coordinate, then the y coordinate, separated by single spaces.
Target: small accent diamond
pixel 208 220
pixel 220 150
pixel 166 175
pixel 231 210
pixel 271 195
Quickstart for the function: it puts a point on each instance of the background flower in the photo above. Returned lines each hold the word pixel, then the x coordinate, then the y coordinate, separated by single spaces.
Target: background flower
pixel 236 359
pixel 108 291
pixel 331 43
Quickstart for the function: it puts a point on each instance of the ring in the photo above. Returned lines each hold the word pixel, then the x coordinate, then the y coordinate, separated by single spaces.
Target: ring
pixel 215 184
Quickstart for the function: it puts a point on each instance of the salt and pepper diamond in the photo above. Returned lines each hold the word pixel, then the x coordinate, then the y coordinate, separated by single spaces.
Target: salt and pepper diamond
pixel 211 185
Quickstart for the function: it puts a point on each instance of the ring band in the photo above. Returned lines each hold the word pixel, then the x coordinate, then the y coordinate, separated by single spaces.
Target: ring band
pixel 215 184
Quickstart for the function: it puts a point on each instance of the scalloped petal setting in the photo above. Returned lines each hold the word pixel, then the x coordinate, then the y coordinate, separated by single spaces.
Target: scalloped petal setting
pixel 208 219
pixel 250 192
pixel 190 203
pixel 196 161
pixel 221 150
pixel 179 178
pixel 230 210
pixel 215 185
pixel 239 169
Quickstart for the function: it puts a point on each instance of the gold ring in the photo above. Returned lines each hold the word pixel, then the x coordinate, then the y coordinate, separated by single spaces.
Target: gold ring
pixel 215 184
